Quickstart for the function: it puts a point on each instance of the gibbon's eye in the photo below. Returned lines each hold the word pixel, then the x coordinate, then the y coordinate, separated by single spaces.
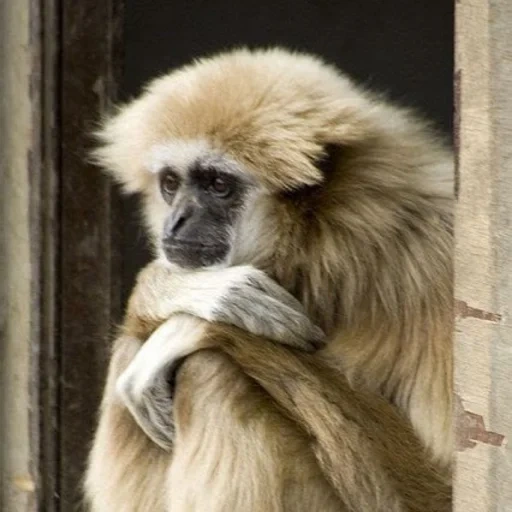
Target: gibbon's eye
pixel 220 187
pixel 169 182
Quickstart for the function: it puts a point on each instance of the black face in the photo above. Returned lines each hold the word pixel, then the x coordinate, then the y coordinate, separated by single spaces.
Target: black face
pixel 205 203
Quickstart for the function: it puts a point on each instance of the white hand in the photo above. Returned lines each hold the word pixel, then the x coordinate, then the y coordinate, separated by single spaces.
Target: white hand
pixel 145 387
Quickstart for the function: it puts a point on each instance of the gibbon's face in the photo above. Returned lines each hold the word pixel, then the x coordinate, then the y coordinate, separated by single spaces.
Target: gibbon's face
pixel 212 148
pixel 201 197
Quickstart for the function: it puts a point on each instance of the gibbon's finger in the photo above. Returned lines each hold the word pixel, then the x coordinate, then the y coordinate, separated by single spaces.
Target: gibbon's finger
pixel 254 311
pixel 256 303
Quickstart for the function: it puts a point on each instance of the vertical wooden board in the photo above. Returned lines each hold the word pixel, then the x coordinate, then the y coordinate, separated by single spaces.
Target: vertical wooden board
pixel 48 227
pixel 20 243
pixel 28 242
pixel 500 419
pixel 483 289
pixel 89 265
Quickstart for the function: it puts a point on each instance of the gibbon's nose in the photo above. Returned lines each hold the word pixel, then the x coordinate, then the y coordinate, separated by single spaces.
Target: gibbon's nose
pixel 178 222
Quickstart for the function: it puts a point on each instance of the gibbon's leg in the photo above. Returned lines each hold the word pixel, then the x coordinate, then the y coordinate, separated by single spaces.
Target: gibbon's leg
pixel 366 450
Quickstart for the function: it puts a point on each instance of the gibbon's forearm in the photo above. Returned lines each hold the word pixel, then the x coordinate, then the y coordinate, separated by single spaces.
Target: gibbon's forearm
pixel 144 385
pixel 241 295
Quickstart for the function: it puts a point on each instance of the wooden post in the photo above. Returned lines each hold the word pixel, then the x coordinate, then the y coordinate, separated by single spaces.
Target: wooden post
pixel 20 249
pixel 59 285
pixel 89 266
pixel 483 289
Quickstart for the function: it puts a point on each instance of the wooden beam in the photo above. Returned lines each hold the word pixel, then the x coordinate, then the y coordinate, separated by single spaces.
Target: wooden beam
pixel 22 245
pixel 89 263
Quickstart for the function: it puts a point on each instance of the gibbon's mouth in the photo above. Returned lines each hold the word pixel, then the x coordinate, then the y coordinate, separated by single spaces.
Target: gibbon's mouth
pixel 194 255
pixel 190 243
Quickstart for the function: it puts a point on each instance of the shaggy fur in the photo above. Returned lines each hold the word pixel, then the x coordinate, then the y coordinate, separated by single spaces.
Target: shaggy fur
pixel 355 221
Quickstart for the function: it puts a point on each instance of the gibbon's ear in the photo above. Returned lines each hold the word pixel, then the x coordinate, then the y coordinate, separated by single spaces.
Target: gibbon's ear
pixel 346 129
pixel 329 159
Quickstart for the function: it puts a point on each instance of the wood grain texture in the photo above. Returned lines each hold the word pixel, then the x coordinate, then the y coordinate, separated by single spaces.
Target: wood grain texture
pixel 59 288
pixel 20 248
pixel 483 288
pixel 88 259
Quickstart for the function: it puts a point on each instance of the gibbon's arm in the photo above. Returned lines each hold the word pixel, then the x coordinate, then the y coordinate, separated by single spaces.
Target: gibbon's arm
pixel 356 437
pixel 122 454
pixel 241 295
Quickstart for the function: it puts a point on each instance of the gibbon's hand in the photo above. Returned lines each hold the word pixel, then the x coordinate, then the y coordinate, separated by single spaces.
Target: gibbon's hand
pixel 145 386
pixel 255 303
pixel 242 296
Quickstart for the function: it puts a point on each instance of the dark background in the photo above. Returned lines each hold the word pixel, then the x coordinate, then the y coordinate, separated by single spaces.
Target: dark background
pixel 402 47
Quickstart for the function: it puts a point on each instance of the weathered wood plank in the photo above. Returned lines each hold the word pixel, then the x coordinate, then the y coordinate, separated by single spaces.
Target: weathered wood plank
pixel 483 290
pixel 20 250
pixel 49 245
pixel 89 265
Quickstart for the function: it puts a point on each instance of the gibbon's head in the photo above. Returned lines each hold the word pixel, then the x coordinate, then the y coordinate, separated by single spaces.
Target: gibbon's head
pixel 253 156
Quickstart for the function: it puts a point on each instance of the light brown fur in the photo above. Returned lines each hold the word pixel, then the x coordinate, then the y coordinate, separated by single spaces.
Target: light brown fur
pixel 362 239
pixel 259 428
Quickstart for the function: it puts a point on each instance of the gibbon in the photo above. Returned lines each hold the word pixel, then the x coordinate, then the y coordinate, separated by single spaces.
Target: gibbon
pixel 267 177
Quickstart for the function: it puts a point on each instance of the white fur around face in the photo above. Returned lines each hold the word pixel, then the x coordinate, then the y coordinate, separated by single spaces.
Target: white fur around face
pixel 177 154
pixel 181 154
pixel 253 235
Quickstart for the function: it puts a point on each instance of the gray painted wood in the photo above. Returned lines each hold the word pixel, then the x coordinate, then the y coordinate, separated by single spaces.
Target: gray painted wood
pixel 483 291
pixel 20 246
pixel 59 287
